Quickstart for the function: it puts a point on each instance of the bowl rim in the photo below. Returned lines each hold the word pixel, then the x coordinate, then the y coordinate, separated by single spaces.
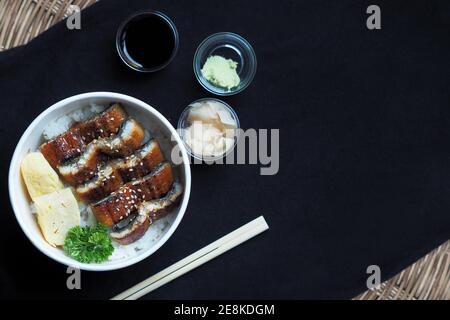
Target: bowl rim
pixel 44 247
pixel 196 61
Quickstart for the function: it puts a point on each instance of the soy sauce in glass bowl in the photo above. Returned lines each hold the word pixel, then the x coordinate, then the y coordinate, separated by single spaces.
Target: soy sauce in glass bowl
pixel 147 41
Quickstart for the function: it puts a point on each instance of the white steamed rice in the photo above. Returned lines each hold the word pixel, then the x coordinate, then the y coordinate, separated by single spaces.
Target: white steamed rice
pixel 63 123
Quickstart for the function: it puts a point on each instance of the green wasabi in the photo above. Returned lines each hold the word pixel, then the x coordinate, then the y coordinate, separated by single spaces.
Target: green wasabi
pixel 221 72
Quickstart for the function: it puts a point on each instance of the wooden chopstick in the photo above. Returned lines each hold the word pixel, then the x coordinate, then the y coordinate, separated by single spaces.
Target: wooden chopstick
pixel 196 259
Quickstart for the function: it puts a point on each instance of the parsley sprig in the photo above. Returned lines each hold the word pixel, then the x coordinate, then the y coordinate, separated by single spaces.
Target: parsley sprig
pixel 88 244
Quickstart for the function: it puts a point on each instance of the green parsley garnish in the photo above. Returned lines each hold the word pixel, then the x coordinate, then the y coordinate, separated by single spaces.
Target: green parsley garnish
pixel 88 244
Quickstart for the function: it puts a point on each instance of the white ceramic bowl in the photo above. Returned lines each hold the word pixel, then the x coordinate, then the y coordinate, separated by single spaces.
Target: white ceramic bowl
pixel 152 120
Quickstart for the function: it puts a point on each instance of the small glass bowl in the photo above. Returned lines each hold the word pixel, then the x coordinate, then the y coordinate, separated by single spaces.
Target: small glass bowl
pixel 183 124
pixel 120 40
pixel 230 46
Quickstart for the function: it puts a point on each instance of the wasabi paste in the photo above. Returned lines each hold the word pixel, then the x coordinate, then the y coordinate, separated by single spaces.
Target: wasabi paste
pixel 221 72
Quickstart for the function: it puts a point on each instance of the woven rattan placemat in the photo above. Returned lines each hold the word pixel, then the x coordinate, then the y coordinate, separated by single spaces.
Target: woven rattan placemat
pixel 428 278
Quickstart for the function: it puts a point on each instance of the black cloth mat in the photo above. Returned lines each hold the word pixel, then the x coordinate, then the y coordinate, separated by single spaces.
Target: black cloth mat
pixel 364 119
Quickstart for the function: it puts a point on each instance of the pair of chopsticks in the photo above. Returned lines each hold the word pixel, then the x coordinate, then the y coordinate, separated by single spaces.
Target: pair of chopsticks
pixel 196 259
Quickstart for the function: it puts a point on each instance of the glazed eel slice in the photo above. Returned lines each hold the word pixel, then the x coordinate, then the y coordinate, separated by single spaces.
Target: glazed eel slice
pixel 83 168
pixel 121 203
pixel 117 172
pixel 126 232
pixel 71 143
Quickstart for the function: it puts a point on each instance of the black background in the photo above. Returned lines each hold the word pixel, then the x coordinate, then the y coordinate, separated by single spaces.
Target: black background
pixel 364 144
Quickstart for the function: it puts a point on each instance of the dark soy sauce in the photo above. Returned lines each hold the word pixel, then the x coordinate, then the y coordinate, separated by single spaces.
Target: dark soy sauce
pixel 148 42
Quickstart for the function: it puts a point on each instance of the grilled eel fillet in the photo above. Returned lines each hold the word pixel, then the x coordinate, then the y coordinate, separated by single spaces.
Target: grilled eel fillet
pixel 117 172
pixel 71 143
pixel 123 144
pixel 147 213
pixel 121 203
